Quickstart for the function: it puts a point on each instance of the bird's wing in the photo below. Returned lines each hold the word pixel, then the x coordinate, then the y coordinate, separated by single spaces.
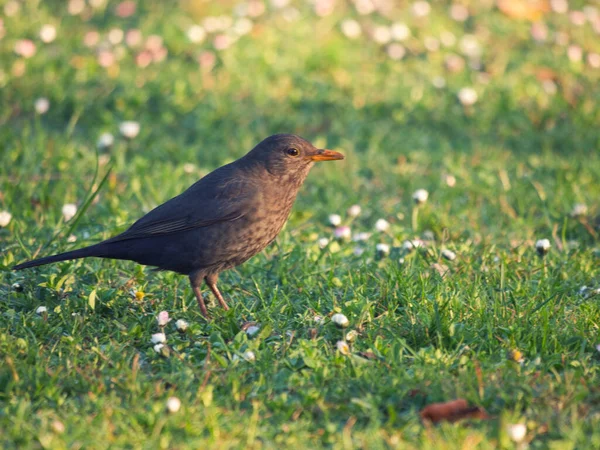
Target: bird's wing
pixel 203 204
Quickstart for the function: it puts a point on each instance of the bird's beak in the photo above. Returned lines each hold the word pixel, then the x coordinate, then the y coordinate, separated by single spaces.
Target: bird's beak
pixel 325 155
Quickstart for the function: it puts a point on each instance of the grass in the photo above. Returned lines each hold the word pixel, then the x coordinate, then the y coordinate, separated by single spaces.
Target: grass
pixel 85 375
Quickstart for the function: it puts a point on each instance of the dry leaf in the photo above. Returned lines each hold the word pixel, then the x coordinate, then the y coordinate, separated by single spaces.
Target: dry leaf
pixel 247 325
pixel 451 411
pixel 368 355
pixel 532 10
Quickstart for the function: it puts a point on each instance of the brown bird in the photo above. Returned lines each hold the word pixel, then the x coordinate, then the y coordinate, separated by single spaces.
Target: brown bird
pixel 219 222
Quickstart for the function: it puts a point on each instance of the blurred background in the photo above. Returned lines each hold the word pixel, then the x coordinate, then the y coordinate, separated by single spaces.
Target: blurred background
pixel 411 91
pixel 459 236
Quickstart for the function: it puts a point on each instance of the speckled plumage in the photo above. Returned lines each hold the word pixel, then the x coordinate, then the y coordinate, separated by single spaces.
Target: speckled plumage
pixel 221 221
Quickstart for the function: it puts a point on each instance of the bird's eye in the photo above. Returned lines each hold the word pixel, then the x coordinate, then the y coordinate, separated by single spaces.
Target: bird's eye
pixel 292 151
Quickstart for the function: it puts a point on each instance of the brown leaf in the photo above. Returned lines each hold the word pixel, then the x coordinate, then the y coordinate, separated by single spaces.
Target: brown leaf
pixel 442 269
pixel 247 325
pixel 452 411
pixel 546 74
pixel 368 355
pixel 532 10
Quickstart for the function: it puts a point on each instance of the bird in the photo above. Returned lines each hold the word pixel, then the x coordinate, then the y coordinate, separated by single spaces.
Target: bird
pixel 219 222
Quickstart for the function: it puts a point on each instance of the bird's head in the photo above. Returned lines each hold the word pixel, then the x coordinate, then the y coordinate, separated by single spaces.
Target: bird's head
pixel 283 154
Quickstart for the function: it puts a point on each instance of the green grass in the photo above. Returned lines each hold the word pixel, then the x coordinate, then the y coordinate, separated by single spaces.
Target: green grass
pixel 522 158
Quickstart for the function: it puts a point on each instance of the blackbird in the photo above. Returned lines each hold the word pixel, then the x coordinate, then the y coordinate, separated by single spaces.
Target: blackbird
pixel 219 222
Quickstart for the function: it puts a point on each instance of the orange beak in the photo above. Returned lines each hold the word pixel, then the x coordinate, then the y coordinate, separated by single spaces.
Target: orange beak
pixel 326 155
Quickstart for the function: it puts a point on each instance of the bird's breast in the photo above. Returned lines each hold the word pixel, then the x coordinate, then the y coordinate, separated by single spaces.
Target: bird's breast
pixel 256 229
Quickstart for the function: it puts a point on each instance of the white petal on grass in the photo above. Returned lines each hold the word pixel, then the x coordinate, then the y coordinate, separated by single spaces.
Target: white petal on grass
pixel 41 310
pixel 421 8
pixel 358 251
pixel 439 82
pixel 428 235
pixel 549 87
pixel 469 45
pixel 410 245
pixel 351 335
pixel 105 140
pixel 340 320
pixel 351 29
pixel 431 44
pixel 382 34
pixel 577 18
pixel 382 225
pixel 593 59
pixel 335 219
pixel 396 51
pixel 69 210
pixel 450 180
pixel 252 330
pixel 364 7
pixel 42 105
pixel 280 3
pixel 196 34
pixel 562 38
pixel 249 356
pixel 75 7
pixel 72 238
pixel 459 12
pixel 211 24
pixel 559 6
pixel 243 26
pixel 318 319
pixel 129 129
pixel 256 8
pixel 57 426
pixel 516 432
pixel 133 37
pixel 467 96
pixel 47 33
pixel 173 404
pixel 383 249
pixel 342 232
pixel 158 348
pixel 5 218
pixel 448 254
pixel 580 209
pixel 12 8
pixel 420 196
pixel 400 31
pixel 181 325
pixel 115 36
pixel 360 237
pixel 323 242
pixel 159 338
pixel 542 246
pixel 162 318
pixel 189 168
pixel 575 53
pixel 354 211
pixel 290 14
pixel 447 38
pixel 539 31
pixel 343 347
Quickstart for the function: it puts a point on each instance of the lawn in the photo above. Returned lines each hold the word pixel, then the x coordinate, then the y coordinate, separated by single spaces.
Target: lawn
pixel 493 108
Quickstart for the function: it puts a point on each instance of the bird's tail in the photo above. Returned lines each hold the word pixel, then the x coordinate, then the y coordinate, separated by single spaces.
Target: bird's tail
pixel 92 250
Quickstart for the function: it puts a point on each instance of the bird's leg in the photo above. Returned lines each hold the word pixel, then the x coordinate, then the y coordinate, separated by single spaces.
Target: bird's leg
pixel 211 282
pixel 196 281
